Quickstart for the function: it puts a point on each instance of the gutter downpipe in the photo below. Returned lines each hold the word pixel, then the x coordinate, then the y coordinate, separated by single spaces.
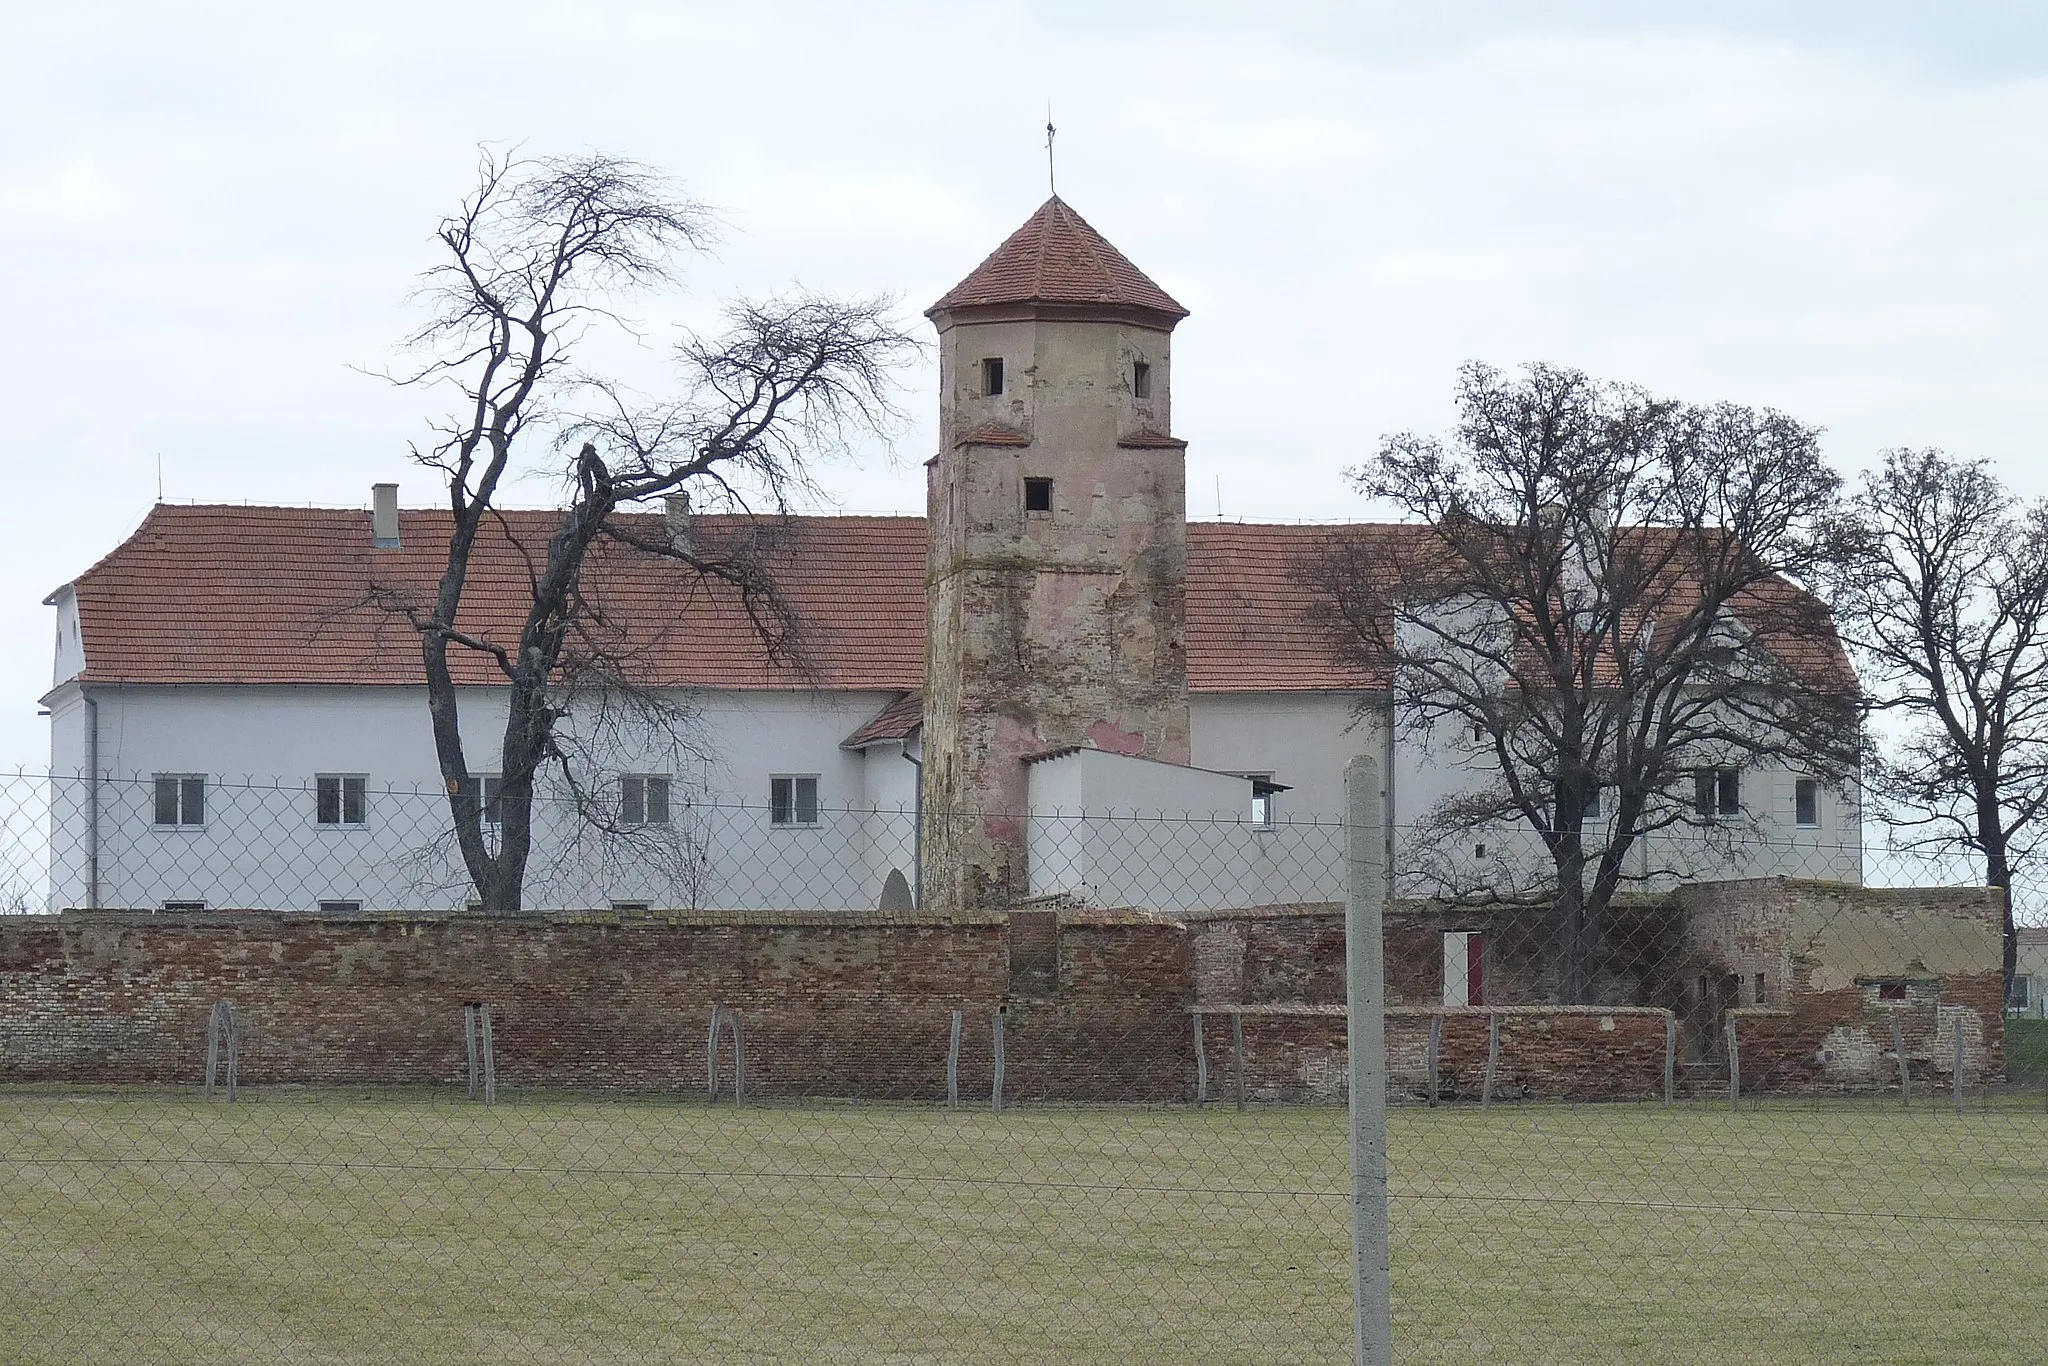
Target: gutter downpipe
pixel 92 797
pixel 917 833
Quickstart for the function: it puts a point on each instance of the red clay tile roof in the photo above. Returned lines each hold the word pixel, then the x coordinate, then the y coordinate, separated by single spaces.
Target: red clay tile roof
pixel 1248 629
pixel 226 594
pixel 897 721
pixel 1056 258
pixel 274 595
pixel 266 595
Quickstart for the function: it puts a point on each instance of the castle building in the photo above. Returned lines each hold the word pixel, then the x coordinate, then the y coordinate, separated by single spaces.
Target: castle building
pixel 1052 688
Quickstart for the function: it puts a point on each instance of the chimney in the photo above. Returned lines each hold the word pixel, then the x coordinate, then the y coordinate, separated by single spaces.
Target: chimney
pixel 678 505
pixel 384 516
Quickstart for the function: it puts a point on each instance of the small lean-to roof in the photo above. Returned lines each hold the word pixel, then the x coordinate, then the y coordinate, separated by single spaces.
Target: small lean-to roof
pixel 898 721
pixel 1057 258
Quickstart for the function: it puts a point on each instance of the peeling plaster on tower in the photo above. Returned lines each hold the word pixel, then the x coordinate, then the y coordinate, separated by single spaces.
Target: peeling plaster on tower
pixel 1062 625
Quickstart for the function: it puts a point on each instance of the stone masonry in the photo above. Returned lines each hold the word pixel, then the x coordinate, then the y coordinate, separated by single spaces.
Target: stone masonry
pixel 1063 624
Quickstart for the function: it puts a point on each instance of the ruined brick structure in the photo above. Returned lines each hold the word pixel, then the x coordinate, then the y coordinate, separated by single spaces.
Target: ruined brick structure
pixel 1057 564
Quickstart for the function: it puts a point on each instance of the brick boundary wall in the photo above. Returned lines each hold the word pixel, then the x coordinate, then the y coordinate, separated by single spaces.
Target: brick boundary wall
pixel 833 1004
pixel 858 1004
pixel 1299 1052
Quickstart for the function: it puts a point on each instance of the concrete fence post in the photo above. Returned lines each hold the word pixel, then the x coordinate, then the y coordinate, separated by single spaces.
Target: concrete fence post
pixel 1201 1064
pixel 711 1050
pixel 1237 1055
pixel 1436 1048
pixel 1366 995
pixel 490 1056
pixel 1959 1063
pixel 1734 1066
pixel 1905 1072
pixel 1670 1057
pixel 996 1091
pixel 953 1061
pixel 1492 1058
pixel 469 1041
pixel 739 1059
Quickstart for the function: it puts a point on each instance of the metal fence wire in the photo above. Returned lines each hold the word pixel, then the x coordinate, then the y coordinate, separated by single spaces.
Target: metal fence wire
pixel 736 1086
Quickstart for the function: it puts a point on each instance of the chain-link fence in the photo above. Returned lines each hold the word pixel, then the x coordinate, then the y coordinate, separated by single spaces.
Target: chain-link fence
pixel 741 1092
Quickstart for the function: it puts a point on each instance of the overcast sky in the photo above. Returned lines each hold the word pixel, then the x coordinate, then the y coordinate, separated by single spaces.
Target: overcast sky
pixel 211 216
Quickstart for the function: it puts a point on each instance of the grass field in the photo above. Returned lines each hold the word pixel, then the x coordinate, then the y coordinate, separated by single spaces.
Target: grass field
pixel 410 1228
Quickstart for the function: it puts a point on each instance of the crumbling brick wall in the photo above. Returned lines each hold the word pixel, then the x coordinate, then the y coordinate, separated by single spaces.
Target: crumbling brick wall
pixel 1805 967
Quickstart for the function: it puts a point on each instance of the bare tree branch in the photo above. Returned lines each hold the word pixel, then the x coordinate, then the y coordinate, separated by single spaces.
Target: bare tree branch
pixel 1941 581
pixel 1602 590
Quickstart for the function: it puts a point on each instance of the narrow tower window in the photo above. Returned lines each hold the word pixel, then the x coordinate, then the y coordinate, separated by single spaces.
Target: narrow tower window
pixel 1038 495
pixel 992 377
pixel 1141 380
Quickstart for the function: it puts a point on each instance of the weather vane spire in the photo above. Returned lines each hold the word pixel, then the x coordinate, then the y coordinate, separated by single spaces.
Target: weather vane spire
pixel 1050 183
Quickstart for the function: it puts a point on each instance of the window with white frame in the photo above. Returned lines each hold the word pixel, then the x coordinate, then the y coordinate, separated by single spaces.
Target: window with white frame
pixel 490 803
pixel 643 799
pixel 1717 792
pixel 1806 803
pixel 1263 792
pixel 180 800
pixel 341 799
pixel 793 799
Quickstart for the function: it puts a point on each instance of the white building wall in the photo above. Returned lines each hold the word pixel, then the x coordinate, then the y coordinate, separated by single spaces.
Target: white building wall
pixel 1765 840
pixel 261 846
pixel 1112 830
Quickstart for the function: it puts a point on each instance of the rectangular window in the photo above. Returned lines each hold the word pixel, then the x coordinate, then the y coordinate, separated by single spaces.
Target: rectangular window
pixel 180 799
pixel 643 799
pixel 1717 792
pixel 793 801
pixel 341 798
pixel 1263 792
pixel 1593 807
pixel 1891 991
pixel 992 377
pixel 184 905
pixel 1141 380
pixel 490 797
pixel 1806 803
pixel 632 906
pixel 1038 495
pixel 341 907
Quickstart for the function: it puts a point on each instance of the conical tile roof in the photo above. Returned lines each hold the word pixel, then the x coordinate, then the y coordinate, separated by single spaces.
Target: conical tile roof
pixel 1057 258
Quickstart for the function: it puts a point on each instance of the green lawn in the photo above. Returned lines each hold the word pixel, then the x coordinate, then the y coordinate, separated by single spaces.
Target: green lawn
pixel 410 1228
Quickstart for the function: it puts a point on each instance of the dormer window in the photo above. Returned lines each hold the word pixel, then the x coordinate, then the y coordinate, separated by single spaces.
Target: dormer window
pixel 1141 380
pixel 992 377
pixel 1038 495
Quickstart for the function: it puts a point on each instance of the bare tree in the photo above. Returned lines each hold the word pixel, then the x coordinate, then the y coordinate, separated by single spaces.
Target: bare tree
pixel 1601 590
pixel 1942 588
pixel 540 252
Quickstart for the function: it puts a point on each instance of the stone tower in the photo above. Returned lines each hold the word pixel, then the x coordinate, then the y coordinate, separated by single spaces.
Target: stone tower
pixel 1056 581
